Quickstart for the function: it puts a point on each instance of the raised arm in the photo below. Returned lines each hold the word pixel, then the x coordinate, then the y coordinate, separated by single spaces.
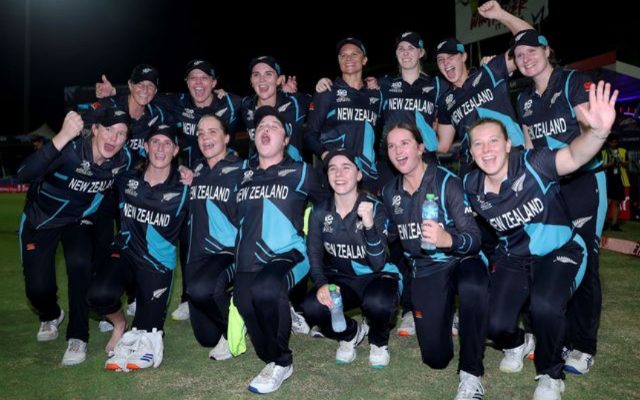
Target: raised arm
pixel 493 10
pixel 596 121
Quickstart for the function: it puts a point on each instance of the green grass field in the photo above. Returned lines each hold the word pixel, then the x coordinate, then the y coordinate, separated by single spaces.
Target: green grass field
pixel 32 370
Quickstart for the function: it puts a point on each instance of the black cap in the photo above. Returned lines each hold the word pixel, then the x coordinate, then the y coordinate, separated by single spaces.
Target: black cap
pixel 145 72
pixel 163 129
pixel 270 61
pixel 203 65
pixel 266 111
pixel 528 37
pixel 340 152
pixel 353 41
pixel 114 115
pixel 450 46
pixel 411 37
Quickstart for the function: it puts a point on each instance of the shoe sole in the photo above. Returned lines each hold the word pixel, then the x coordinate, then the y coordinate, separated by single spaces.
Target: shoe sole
pixel 72 363
pixel 113 367
pixel 404 333
pixel 46 339
pixel 510 371
pixel 531 356
pixel 256 391
pixel 572 370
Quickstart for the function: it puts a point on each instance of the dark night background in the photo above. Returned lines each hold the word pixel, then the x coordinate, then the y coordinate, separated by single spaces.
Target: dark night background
pixel 74 41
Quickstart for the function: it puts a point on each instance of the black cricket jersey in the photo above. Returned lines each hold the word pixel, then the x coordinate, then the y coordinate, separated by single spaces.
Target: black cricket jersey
pixel 405 216
pixel 344 117
pixel 213 224
pixel 271 205
pixel 485 94
pixel 529 214
pixel 414 103
pixel 550 118
pixel 293 108
pixel 67 185
pixel 151 218
pixel 344 247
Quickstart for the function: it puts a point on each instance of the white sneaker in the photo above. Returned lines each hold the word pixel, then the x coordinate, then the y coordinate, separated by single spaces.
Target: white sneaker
pixel 105 326
pixel 512 361
pixel 76 352
pixel 221 351
pixel 378 356
pixel 128 343
pixel 470 387
pixel 407 326
pixel 548 388
pixel 346 352
pixel 131 309
pixel 315 332
pixel 455 326
pixel 181 313
pixel 149 351
pixel 579 363
pixel 49 329
pixel 565 353
pixel 530 342
pixel 270 378
pixel 298 323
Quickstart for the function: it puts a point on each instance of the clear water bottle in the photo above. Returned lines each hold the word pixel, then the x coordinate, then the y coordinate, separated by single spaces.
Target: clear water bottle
pixel 338 324
pixel 429 212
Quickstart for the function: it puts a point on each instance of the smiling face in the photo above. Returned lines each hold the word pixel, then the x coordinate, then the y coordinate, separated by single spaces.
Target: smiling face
pixel 408 55
pixel 107 141
pixel 343 175
pixel 271 138
pixel 161 150
pixel 452 67
pixel 142 92
pixel 404 151
pixel 531 60
pixel 212 138
pixel 201 87
pixel 264 81
pixel 490 149
pixel 351 59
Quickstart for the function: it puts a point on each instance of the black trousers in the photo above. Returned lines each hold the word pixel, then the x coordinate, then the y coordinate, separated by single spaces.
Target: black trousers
pixel 433 309
pixel 547 283
pixel 208 280
pixel 262 298
pixel 153 288
pixel 586 195
pixel 38 249
pixel 376 294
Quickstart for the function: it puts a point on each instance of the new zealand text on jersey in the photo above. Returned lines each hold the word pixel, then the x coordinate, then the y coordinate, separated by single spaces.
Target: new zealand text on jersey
pixel 519 216
pixel 217 193
pixel 547 128
pixel 419 105
pixel 79 185
pixel 468 106
pixel 263 192
pixel 146 216
pixel 346 251
pixel 409 231
pixel 356 114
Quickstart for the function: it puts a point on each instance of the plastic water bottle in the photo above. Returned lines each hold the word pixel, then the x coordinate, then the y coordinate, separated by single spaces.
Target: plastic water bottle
pixel 338 324
pixel 429 212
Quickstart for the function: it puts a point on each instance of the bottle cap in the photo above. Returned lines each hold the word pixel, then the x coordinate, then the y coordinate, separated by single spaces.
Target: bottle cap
pixel 430 196
pixel 332 288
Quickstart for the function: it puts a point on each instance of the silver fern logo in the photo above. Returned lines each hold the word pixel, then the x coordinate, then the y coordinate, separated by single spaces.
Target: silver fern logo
pixel 579 223
pixel 565 260
pixel 518 185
